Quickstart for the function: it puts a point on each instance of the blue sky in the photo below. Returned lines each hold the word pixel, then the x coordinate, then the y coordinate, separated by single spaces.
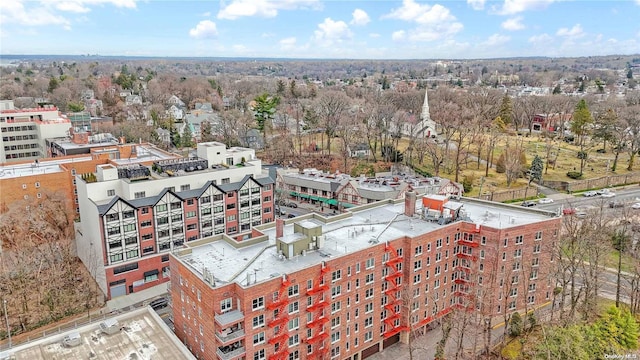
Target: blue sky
pixel 373 29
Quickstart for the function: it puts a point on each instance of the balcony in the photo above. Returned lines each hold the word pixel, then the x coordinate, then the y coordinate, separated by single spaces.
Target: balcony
pixel 230 352
pixel 229 318
pixel 227 335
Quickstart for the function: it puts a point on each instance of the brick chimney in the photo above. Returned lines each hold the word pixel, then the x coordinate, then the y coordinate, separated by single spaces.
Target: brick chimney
pixel 279 228
pixel 410 203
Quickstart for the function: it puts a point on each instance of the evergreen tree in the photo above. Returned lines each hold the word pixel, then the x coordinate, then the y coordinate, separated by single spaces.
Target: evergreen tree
pixel 535 172
pixel 264 110
pixel 580 127
pixel 187 136
pixel 506 110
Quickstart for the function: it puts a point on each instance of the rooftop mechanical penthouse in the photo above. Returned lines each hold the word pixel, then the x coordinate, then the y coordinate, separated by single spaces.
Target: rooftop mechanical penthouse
pixel 134 215
pixel 346 286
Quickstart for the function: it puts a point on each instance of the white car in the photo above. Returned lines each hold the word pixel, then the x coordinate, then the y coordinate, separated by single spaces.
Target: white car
pixel 545 201
pixel 636 206
pixel 608 194
pixel 589 193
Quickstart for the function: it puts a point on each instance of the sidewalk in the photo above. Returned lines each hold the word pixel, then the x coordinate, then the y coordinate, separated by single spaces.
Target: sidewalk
pixel 143 296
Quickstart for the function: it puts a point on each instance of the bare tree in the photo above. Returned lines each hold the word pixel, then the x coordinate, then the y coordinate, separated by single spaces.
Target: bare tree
pixel 332 108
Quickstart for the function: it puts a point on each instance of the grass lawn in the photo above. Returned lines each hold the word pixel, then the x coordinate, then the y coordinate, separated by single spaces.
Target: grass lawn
pixel 611 261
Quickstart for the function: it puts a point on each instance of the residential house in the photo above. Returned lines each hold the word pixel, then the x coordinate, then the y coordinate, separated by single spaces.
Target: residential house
pixel 174 100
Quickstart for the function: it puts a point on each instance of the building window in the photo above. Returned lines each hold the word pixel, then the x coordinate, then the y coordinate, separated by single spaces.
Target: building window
pixel 293 341
pixel 294 290
pixel 225 305
pixel 519 239
pixel 258 321
pixel 336 275
pixel 258 338
pixel 294 324
pixel 370 263
pixel 111 192
pixel 139 195
pixel 539 235
pixel 294 307
pixel 259 355
pixel 258 303
pixel 185 187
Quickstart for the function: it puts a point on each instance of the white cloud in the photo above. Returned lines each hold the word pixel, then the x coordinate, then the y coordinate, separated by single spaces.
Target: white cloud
pixel 82 6
pixel 513 24
pixel 263 8
pixel 511 7
pixel 360 17
pixel 206 14
pixel 288 44
pixel 330 32
pixel 476 4
pixel 398 35
pixel 15 12
pixel 575 32
pixel 638 2
pixel 374 35
pixel 432 22
pixel 540 39
pixel 204 29
pixel 496 40
pixel 46 13
pixel 239 48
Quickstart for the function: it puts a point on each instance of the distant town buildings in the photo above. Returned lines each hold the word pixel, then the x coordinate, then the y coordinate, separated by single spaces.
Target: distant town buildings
pixel 348 286
pixel 24 131
pixel 133 215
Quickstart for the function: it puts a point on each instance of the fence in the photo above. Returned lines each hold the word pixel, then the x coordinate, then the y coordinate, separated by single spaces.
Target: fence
pixel 510 195
pixel 601 182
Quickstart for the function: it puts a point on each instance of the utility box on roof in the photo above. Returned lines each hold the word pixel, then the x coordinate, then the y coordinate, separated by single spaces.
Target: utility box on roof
pixel 434 202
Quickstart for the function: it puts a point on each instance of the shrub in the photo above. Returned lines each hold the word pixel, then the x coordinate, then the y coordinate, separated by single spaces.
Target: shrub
pixel 467 183
pixel 582 154
pixel 500 167
pixel 574 174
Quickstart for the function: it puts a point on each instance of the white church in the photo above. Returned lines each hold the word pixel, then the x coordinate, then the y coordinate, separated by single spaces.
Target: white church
pixel 425 126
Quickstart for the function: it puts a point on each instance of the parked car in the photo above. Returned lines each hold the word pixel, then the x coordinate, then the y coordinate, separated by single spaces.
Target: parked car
pixel 607 194
pixel 280 211
pixel 292 205
pixel 290 216
pixel 159 303
pixel 590 193
pixel 568 211
pixel 528 203
pixel 545 201
pixel 636 206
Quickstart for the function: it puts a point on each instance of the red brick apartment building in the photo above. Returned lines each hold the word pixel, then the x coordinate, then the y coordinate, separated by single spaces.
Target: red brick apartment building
pixel 347 286
pixel 133 216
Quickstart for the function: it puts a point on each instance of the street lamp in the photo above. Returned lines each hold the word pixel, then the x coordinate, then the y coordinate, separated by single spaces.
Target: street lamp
pixel 6 318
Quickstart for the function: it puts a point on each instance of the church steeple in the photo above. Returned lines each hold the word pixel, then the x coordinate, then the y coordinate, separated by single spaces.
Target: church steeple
pixel 424 115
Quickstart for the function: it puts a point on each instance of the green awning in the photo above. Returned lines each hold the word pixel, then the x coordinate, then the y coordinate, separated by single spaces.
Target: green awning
pixel 313 197
pixel 304 196
pixel 293 193
pixel 332 201
pixel 347 205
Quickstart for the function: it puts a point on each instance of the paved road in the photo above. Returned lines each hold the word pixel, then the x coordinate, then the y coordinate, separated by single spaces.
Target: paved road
pixel 627 196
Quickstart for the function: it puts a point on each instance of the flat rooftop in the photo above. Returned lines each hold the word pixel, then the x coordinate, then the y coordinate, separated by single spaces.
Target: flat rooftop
pixel 364 227
pixel 142 335
pixel 39 168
